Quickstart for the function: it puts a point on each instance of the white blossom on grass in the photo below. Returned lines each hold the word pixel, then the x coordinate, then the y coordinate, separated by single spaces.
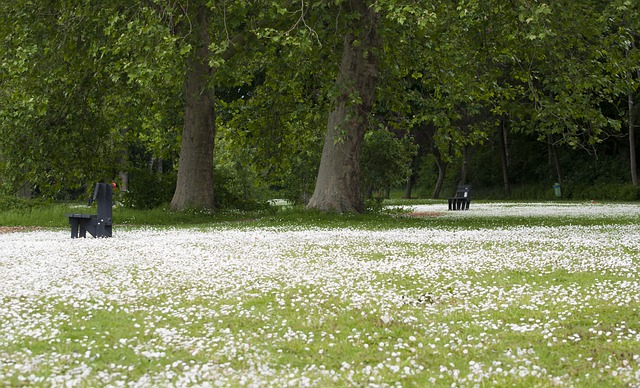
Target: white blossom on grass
pixel 265 306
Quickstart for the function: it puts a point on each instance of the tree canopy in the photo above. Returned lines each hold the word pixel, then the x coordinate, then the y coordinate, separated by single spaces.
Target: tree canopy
pixel 283 93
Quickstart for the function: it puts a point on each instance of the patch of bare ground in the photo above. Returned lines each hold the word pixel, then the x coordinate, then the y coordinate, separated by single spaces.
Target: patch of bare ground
pixel 15 229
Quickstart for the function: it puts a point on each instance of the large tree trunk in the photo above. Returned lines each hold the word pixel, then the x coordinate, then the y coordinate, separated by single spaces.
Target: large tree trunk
pixel 194 188
pixel 338 184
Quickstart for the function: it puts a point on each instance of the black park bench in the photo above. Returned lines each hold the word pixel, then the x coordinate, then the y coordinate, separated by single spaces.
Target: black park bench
pixel 462 199
pixel 98 225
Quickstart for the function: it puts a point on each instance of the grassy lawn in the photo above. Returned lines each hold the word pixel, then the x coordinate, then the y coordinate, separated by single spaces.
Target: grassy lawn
pixel 522 294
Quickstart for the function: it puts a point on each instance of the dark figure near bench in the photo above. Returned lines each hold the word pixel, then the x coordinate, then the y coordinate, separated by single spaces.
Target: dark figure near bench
pixel 462 198
pixel 98 225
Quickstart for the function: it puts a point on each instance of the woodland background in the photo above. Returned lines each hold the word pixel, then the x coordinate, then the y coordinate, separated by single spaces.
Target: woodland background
pixel 510 96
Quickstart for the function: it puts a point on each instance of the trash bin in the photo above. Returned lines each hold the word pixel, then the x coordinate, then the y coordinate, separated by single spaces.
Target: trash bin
pixel 557 190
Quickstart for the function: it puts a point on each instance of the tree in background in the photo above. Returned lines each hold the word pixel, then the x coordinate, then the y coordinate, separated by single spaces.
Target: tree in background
pixel 53 86
pixel 386 160
pixel 78 83
pixel 85 86
pixel 338 183
pixel 194 187
pixel 623 63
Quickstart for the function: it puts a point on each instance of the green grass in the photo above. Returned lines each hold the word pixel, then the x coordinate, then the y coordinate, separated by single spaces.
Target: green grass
pixel 569 323
pixel 53 215
pixel 331 335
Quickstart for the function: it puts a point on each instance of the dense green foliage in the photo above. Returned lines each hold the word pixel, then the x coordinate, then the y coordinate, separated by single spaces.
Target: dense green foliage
pixel 509 96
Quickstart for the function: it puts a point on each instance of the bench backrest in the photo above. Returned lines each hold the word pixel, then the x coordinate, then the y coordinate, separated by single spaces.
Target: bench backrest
pixel 104 195
pixel 464 192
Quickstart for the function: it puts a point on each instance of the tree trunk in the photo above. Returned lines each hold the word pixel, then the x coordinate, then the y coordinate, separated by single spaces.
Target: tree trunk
pixel 553 152
pixel 413 176
pixel 194 187
pixel 338 184
pixel 124 181
pixel 408 189
pixel 632 143
pixel 442 171
pixel 632 126
pixel 123 158
pixel 504 159
pixel 464 171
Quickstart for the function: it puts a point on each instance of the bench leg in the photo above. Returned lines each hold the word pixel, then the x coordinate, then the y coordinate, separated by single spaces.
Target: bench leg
pixel 458 204
pixel 74 227
pixel 99 229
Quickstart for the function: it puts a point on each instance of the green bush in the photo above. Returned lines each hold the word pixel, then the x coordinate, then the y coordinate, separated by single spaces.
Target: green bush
pixel 526 192
pixel 148 190
pixel 386 160
pixel 611 192
pixel 374 205
pixel 12 202
pixel 236 188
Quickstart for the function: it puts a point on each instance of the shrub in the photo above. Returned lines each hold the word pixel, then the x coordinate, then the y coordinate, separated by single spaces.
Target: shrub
pixel 612 192
pixel 237 188
pixel 148 190
pixel 12 202
pixel 386 160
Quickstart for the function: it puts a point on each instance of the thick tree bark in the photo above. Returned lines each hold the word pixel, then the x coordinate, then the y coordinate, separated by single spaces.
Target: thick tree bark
pixel 194 188
pixel 338 184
